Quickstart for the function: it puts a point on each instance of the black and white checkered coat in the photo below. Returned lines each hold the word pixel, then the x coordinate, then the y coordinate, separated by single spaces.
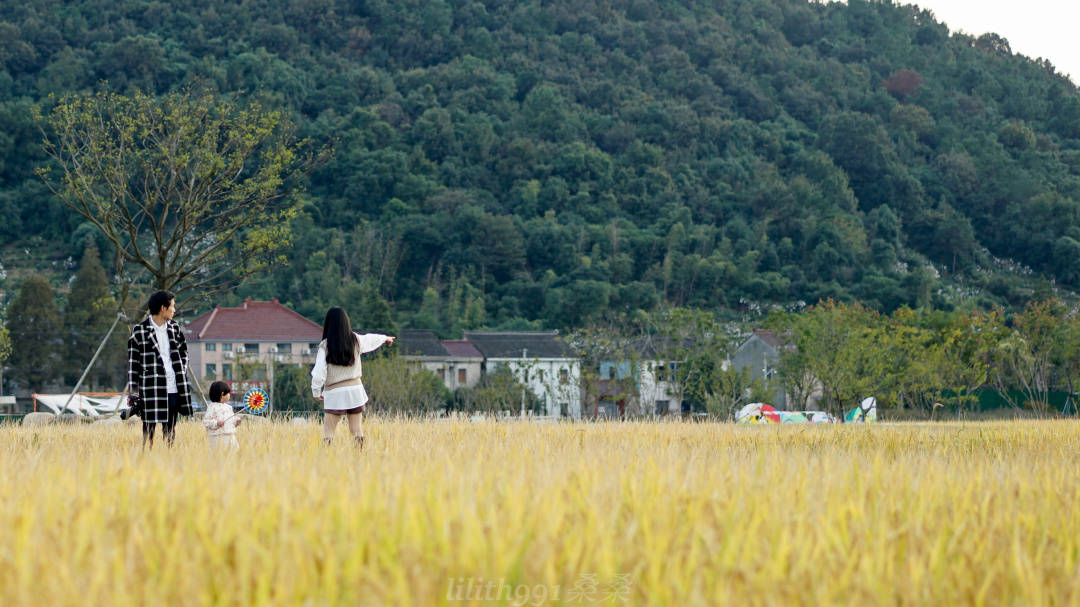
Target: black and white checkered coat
pixel 146 374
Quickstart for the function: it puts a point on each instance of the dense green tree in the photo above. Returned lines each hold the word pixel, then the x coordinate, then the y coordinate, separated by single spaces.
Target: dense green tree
pixel 841 345
pixel 89 312
pixel 5 351
pixel 36 340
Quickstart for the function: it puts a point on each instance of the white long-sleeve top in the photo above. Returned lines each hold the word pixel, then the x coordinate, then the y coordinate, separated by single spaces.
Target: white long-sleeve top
pixel 345 397
pixel 161 335
pixel 220 412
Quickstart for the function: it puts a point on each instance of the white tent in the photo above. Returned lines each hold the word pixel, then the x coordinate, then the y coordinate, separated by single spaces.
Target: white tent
pixel 81 404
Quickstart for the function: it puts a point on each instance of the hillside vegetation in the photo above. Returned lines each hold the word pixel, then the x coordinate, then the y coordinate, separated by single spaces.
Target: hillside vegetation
pixel 528 164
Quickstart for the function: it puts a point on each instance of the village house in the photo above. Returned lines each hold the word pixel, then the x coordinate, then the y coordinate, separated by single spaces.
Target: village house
pixel 241 344
pixel 541 361
pixel 643 385
pixel 456 361
pixel 465 364
pixel 760 353
pixel 421 346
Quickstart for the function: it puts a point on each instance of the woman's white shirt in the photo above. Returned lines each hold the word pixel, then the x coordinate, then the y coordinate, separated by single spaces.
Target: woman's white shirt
pixel 345 397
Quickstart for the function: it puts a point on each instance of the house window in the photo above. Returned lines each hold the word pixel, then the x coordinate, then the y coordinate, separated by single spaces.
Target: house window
pixel 211 370
pixel 226 372
pixel 211 347
pixel 540 376
pixel 462 375
pixel 564 376
pixel 251 348
pixel 284 348
pixel 226 347
pixel 313 347
pixel 661 407
pixel 611 372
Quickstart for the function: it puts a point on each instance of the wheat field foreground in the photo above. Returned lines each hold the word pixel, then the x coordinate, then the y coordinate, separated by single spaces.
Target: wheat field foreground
pixel 455 513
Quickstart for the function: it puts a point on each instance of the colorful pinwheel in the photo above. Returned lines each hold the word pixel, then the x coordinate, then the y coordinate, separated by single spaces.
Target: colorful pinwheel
pixel 256 401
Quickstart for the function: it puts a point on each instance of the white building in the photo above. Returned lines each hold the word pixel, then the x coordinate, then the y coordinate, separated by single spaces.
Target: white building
pixel 541 361
pixel 653 390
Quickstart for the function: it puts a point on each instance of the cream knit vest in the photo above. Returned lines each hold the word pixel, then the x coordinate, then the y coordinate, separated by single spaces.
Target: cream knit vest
pixel 337 373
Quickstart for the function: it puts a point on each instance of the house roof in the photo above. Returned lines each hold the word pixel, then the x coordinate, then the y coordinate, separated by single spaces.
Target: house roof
pixel 518 344
pixel 420 342
pixel 461 348
pixel 769 337
pixel 253 321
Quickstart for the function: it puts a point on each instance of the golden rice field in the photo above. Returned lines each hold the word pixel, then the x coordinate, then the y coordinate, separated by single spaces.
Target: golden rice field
pixel 454 513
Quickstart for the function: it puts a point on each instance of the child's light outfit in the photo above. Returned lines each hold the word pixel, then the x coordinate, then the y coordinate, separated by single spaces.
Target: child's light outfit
pixel 225 436
pixel 341 387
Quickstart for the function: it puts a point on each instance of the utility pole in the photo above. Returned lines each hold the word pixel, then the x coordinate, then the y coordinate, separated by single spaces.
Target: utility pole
pixel 270 375
pixel 524 380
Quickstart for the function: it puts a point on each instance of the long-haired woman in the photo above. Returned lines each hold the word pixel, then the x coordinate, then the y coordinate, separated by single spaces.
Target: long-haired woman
pixel 335 380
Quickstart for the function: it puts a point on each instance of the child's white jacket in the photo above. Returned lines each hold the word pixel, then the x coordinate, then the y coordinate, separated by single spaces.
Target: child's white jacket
pixel 220 412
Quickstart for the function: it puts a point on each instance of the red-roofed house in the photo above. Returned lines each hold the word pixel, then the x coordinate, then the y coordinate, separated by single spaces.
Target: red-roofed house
pixel 255 332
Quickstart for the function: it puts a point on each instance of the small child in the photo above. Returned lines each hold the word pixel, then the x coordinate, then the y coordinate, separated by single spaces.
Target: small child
pixel 220 421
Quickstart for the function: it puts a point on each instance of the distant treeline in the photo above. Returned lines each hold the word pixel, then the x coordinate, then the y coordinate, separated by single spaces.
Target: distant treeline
pixel 830 355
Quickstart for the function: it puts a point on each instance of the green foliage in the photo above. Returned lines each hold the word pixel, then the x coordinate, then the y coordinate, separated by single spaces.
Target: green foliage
pixel 292 389
pixel 5 344
pixel 842 346
pixel 566 159
pixel 88 314
pixel 1041 342
pixel 34 322
pixel 396 385
pixel 498 391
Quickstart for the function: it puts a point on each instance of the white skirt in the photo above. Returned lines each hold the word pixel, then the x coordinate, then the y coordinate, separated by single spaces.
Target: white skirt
pixel 344 398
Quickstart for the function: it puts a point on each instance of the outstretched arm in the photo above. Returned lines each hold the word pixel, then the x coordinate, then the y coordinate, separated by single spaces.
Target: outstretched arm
pixel 369 342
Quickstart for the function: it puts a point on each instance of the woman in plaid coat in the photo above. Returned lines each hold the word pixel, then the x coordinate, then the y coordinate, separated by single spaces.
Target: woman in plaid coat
pixel 157 362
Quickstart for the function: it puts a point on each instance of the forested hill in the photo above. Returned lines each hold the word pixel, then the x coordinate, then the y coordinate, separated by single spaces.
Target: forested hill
pixel 507 163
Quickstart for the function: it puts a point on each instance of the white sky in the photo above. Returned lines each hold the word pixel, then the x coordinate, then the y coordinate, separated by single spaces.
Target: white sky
pixel 1036 28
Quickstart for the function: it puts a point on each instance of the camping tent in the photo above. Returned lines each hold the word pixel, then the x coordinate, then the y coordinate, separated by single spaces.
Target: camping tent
pixel 757 413
pixel 761 413
pixel 866 412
